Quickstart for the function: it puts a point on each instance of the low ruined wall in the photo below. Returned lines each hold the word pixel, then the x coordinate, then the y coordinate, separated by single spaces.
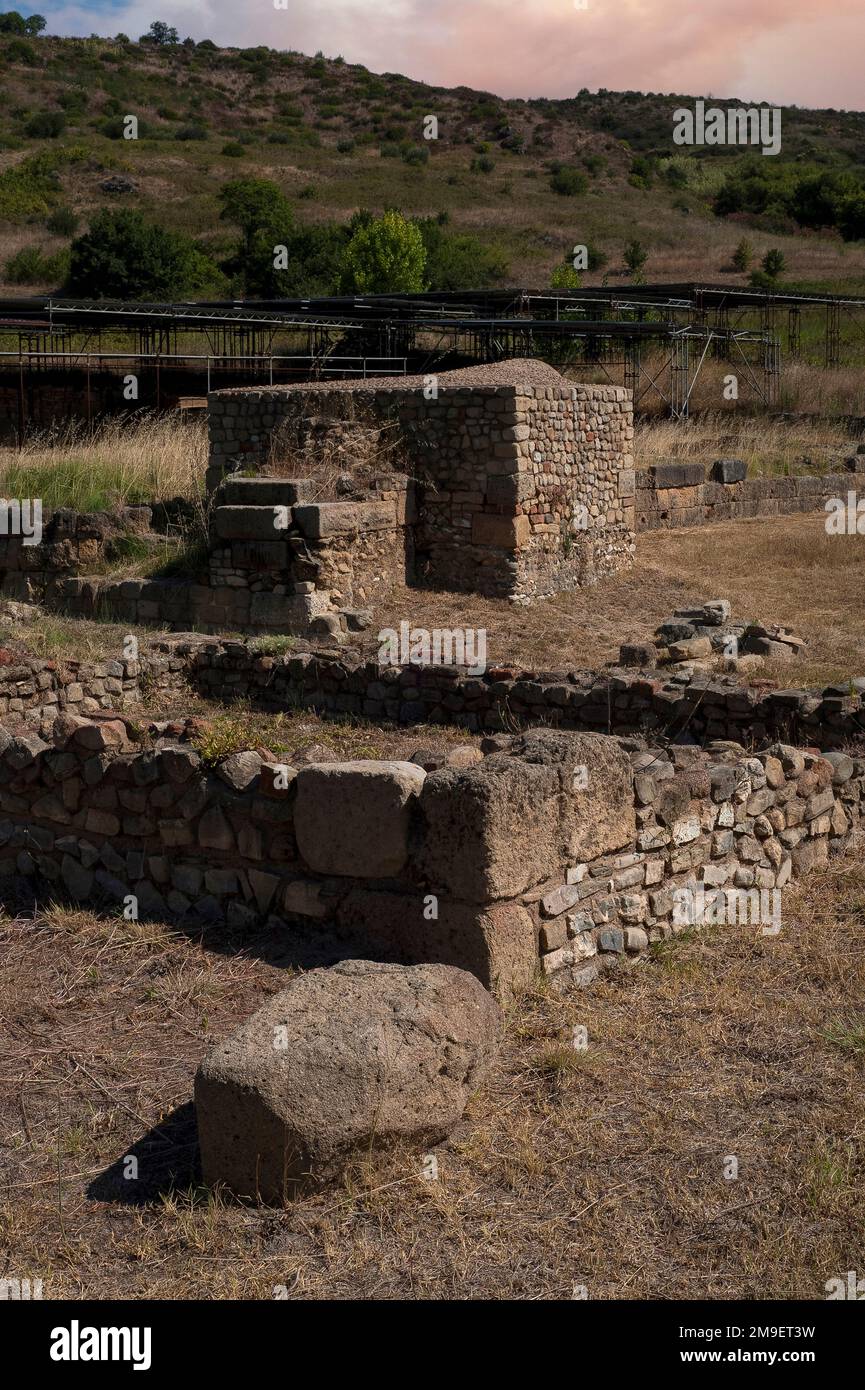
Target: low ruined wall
pixel 34 690
pixel 523 490
pixel 609 701
pixel 671 495
pixel 554 850
pixel 342 683
pixel 32 567
pixel 719 838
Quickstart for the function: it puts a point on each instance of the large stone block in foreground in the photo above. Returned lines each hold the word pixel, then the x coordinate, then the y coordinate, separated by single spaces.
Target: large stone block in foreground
pixel 352 819
pixel 343 1059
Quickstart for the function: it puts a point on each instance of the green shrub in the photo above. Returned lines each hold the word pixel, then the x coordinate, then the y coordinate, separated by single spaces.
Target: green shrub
pixel 233 149
pixel 743 255
pixel 635 256
pixel 74 100
pixel 19 51
pixel 62 222
pixel 771 269
pixel 568 182
pixel 30 188
pixel 460 262
pixel 45 125
pixel 30 266
pixel 483 164
pixel 191 132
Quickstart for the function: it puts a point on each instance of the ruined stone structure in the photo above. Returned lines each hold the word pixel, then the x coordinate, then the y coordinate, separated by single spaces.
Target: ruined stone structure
pixel 513 489
pixel 555 848
pixel 700 707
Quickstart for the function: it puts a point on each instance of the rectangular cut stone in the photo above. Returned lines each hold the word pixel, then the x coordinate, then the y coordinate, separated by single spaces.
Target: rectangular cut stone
pixel 321 519
pixel 352 819
pixel 501 532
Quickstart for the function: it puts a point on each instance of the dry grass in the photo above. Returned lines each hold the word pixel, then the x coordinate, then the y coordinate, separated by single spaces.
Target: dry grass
pixel 767 446
pixel 144 459
pixel 784 570
pixel 603 1169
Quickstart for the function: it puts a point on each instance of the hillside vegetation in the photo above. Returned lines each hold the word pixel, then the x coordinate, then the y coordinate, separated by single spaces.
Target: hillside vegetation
pixel 503 194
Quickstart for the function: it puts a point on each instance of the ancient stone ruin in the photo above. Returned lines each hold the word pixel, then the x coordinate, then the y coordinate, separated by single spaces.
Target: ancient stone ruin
pixel 593 815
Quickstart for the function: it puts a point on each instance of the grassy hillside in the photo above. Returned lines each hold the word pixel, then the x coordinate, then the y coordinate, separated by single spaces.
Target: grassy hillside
pixel 336 137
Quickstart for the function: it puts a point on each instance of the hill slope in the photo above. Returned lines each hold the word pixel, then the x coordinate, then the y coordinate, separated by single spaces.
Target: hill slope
pixel 336 137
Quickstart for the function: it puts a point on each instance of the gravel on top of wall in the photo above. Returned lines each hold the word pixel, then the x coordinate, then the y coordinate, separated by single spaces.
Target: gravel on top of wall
pixel 517 371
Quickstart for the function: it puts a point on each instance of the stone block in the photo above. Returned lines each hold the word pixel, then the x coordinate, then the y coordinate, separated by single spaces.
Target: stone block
pixel 500 532
pixel 729 471
pixel 514 820
pixel 677 475
pixel 344 1059
pixel 352 819
pixel 498 943
pixel 265 492
pixel 319 520
pixel 250 523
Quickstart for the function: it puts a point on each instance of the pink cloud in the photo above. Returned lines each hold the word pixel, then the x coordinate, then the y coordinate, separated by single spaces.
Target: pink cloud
pixel 790 51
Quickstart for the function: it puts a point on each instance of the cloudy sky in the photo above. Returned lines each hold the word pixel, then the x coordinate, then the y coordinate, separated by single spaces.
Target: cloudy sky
pixel 804 52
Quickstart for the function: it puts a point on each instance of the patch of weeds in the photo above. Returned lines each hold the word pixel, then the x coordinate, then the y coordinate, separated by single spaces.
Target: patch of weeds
pixel 228 733
pixel 189 560
pixel 276 644
pixel 848 1033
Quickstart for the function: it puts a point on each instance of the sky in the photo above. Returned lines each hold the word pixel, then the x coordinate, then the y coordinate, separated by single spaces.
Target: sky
pixel 790 52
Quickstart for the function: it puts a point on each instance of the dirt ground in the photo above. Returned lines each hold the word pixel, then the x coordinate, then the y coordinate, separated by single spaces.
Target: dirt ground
pixel 779 570
pixel 603 1169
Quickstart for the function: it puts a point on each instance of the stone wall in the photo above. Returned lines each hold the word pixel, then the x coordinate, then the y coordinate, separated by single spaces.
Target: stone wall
pixel 34 690
pixel 719 838
pixel 71 543
pixel 524 490
pixel 615 700
pixel 342 683
pixel 671 495
pixel 558 850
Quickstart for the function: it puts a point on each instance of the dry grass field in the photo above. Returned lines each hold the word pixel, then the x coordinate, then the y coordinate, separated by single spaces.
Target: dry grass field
pixel 782 570
pixel 602 1168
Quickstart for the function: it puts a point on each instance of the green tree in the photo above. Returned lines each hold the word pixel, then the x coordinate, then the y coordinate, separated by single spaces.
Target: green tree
pixel 564 277
pixel 387 256
pixel 773 264
pixel 256 206
pixel 635 256
pixel 123 256
pixel 743 256
pixel 160 34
